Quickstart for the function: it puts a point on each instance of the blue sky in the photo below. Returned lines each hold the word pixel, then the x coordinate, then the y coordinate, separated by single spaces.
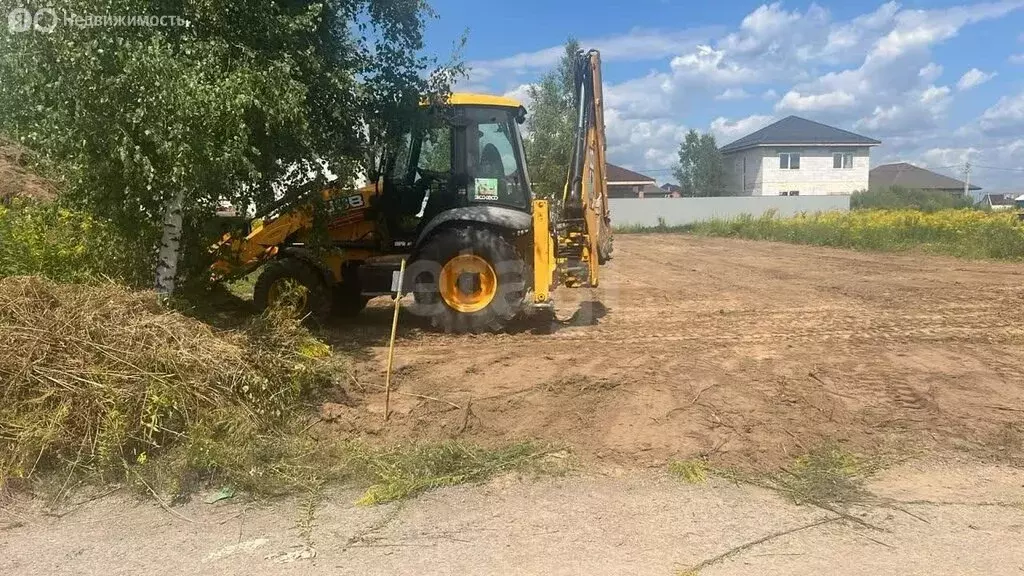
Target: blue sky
pixel 937 82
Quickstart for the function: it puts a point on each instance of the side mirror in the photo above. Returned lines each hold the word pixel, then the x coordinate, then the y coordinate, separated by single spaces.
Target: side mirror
pixel 521 115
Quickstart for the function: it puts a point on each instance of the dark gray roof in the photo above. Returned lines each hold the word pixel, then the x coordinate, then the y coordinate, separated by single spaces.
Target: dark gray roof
pixel 998 199
pixel 795 130
pixel 910 176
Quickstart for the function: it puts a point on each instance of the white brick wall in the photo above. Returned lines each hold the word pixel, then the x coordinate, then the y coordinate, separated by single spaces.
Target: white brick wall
pixel 815 177
pixel 743 172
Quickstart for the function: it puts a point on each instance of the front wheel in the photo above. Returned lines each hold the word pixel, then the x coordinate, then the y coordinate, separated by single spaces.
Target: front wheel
pixel 294 286
pixel 468 281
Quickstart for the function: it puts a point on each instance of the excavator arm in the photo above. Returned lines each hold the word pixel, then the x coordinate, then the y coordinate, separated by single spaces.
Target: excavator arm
pixel 569 247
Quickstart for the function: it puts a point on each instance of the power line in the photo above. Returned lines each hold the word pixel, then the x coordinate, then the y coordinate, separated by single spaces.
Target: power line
pixel 998 168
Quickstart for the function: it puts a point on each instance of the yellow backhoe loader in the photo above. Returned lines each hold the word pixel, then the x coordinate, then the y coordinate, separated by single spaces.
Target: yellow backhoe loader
pixel 455 202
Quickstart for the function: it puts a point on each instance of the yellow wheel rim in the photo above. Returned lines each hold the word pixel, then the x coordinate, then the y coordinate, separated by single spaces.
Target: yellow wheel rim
pixel 288 294
pixel 468 283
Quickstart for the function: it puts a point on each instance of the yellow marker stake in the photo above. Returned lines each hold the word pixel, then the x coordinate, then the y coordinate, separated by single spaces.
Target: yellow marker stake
pixel 391 346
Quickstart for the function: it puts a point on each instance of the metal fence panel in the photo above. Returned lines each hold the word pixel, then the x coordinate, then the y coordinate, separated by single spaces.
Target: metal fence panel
pixel 681 211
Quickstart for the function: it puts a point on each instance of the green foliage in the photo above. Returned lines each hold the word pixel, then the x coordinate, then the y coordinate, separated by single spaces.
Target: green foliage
pixel 551 125
pixel 962 233
pixel 436 151
pixel 700 171
pixel 44 239
pixel 896 198
pixel 409 470
pixel 251 97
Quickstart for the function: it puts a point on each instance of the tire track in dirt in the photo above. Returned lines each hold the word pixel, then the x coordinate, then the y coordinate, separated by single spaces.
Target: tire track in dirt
pixel 708 346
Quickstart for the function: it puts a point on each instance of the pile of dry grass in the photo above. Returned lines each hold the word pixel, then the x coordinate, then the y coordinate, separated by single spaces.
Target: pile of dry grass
pixel 18 182
pixel 100 379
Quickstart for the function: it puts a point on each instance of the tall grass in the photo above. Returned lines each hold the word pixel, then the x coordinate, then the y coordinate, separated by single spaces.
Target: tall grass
pixel 104 384
pixel 403 471
pixel 100 381
pixel 962 233
pixel 898 198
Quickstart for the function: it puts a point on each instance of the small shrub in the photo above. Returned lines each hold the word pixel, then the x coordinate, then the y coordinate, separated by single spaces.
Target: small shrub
pixel 898 198
pixel 45 239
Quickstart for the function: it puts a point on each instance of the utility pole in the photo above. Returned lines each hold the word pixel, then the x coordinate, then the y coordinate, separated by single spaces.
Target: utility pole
pixel 967 179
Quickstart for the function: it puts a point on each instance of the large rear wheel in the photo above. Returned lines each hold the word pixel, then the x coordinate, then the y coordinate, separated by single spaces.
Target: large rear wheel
pixel 468 280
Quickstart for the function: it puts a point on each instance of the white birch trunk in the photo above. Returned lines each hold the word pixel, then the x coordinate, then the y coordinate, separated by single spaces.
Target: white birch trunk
pixel 170 245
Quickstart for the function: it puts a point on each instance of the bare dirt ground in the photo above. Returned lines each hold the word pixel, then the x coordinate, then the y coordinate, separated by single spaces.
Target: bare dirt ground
pixel 747 352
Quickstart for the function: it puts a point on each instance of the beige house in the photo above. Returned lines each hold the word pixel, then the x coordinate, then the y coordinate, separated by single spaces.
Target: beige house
pixel 798 157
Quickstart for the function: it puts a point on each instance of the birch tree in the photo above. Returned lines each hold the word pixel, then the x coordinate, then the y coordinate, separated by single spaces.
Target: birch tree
pixel 152 125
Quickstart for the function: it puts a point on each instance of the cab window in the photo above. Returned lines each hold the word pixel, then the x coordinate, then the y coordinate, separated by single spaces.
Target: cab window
pixel 399 169
pixel 436 152
pixel 493 161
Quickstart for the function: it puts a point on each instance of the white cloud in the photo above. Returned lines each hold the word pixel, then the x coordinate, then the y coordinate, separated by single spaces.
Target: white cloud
pixel 726 130
pixel 919 113
pixel 770 44
pixel 1017 58
pixel 637 143
pixel 798 102
pixel 647 97
pixel 855 37
pixel 938 151
pixel 947 158
pixel 974 77
pixel 710 65
pixel 539 59
pixel 1006 117
pixel 769 20
pixel 634 46
pixel 885 84
pixel 936 98
pixel 641 44
pixel 733 94
pixel 874 73
pixel 918 29
pixel 521 93
pixel 930 73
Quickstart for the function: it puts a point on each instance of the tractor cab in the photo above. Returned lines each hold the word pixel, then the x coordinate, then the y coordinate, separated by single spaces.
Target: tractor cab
pixel 475 158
